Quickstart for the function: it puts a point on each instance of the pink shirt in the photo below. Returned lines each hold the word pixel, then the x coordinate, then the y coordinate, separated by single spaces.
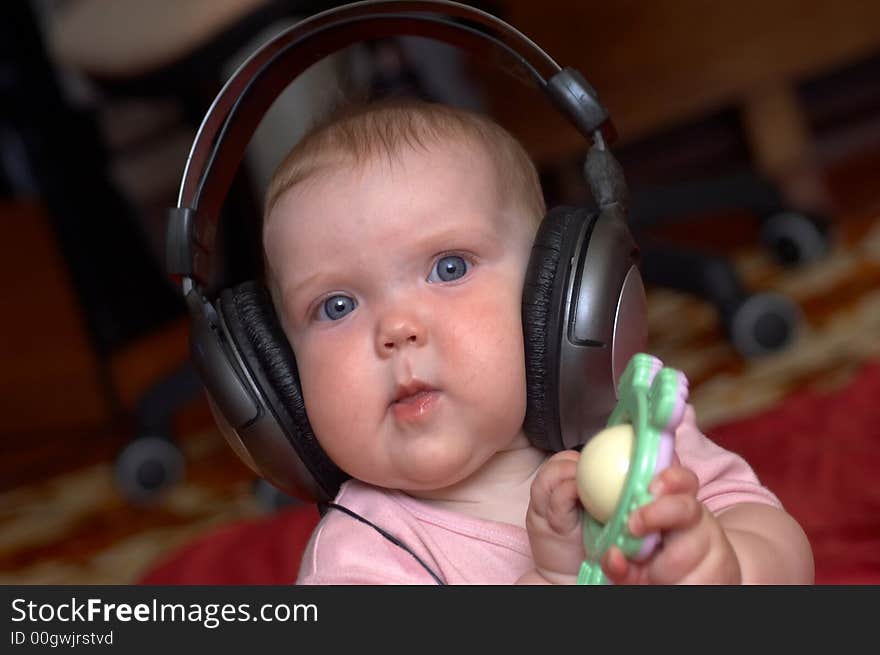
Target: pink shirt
pixel 466 550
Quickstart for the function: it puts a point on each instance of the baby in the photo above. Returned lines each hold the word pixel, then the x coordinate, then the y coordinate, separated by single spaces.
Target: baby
pixel 397 237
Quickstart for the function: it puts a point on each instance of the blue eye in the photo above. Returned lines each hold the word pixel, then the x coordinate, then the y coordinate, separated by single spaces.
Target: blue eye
pixel 335 307
pixel 448 268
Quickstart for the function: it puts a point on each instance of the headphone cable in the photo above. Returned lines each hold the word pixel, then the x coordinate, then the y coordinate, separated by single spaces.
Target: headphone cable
pixel 390 537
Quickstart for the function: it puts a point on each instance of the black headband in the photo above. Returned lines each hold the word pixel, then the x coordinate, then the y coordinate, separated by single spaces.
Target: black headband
pixel 238 109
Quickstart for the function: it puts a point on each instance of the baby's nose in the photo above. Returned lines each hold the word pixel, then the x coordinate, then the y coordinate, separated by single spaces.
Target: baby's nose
pixel 396 331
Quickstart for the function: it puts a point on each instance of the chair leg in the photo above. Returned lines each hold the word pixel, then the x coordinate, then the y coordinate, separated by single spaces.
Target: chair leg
pixel 151 463
pixel 795 237
pixel 756 324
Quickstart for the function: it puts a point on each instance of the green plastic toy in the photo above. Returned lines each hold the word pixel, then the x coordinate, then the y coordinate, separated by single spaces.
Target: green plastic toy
pixel 652 399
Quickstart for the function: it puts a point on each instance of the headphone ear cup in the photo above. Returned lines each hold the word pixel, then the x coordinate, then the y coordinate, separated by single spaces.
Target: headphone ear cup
pixel 253 325
pixel 543 295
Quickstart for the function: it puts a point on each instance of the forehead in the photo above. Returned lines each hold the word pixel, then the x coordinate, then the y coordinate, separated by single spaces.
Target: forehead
pixel 389 200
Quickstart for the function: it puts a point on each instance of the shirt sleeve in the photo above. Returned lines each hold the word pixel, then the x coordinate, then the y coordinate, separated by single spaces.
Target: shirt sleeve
pixel 726 479
pixel 344 551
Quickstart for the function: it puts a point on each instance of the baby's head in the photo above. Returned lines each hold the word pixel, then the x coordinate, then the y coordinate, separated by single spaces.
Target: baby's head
pixel 397 237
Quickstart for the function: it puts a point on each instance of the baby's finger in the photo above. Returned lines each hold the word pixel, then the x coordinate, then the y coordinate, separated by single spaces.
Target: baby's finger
pixel 666 513
pixel 564 510
pixel 615 566
pixel 558 469
pixel 675 480
pixel 561 465
pixel 681 554
pixel 558 472
pixel 570 455
pixel 618 569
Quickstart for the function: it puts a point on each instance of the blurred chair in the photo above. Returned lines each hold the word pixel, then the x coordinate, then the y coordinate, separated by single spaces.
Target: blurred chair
pixel 757 323
pixel 55 151
pixel 780 186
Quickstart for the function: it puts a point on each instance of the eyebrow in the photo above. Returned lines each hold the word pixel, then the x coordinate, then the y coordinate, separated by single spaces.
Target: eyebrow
pixel 300 286
pixel 456 233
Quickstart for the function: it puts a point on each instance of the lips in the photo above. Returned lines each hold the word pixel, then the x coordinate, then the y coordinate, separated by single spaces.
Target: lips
pixel 414 401
pixel 407 392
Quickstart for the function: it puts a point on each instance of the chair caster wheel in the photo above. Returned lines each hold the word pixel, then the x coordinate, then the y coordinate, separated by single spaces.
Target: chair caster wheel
pixel 763 323
pixel 147 467
pixel 794 237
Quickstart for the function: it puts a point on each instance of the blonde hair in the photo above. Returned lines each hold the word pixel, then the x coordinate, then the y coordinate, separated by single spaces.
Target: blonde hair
pixel 361 133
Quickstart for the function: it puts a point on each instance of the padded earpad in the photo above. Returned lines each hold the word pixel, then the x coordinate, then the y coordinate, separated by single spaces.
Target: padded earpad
pixel 543 309
pixel 252 323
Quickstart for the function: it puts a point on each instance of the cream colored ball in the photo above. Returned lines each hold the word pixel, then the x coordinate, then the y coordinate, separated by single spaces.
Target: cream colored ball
pixel 602 469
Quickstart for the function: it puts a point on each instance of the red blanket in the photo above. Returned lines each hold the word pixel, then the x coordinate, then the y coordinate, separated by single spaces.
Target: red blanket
pixel 820 453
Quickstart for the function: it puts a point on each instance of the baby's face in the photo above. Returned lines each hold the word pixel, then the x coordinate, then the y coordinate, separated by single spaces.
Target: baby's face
pixel 399 286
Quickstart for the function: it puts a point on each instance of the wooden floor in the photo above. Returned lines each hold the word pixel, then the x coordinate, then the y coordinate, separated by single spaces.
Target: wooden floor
pixel 62 519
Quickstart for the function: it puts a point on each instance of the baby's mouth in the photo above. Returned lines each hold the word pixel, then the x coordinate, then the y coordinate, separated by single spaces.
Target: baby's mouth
pixel 414 401
pixel 411 392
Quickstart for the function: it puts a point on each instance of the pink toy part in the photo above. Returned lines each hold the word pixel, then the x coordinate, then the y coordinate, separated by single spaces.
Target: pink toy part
pixel 665 451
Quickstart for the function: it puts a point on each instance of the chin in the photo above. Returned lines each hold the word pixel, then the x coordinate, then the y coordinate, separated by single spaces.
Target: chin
pixel 438 471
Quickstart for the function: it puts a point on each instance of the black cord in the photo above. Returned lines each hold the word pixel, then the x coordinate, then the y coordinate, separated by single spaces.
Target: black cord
pixel 390 537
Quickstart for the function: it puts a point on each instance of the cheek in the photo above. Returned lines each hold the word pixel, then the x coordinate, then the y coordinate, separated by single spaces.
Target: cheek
pixel 489 335
pixel 328 384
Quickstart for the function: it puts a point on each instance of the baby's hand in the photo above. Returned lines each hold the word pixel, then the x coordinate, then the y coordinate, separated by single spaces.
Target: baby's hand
pixel 695 549
pixel 553 519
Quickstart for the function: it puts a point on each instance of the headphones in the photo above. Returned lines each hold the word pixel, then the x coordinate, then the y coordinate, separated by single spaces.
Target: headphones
pixel 583 308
